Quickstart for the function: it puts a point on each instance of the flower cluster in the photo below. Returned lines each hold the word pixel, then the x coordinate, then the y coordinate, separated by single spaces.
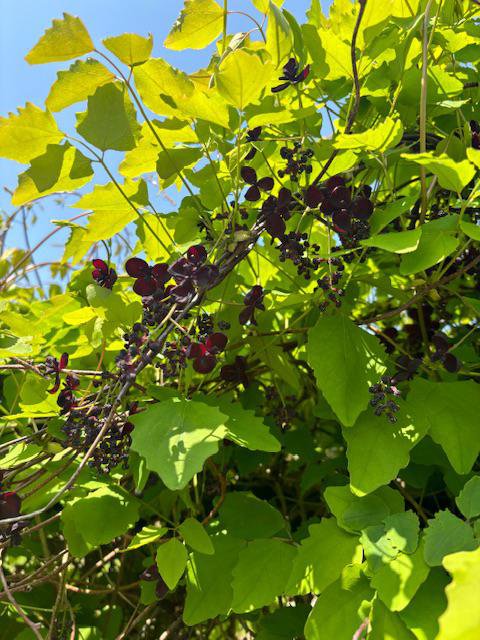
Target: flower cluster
pixel 148 280
pixel 382 398
pixel 190 272
pixel 298 161
pixel 276 210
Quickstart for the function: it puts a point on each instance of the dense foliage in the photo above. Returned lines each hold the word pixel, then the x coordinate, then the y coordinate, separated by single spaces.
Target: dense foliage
pixel 257 415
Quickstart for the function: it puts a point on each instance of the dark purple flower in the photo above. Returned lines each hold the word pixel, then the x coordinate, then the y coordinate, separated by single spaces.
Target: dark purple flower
pixel 449 361
pixel 407 368
pixel 10 505
pixel 253 300
pixel 190 272
pixel 103 275
pixel 53 367
pixel 291 75
pixel 148 279
pixel 276 210
pixel 236 372
pixel 252 136
pixel 250 176
pixel 204 354
pixel 475 129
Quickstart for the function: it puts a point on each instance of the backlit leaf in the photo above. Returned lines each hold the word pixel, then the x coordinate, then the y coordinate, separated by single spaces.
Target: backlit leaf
pixel 130 48
pixel 67 38
pixel 199 22
pixel 77 83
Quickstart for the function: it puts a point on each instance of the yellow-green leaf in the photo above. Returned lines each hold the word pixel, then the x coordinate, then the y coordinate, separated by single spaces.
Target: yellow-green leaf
pixel 385 136
pixel 77 83
pixel 242 77
pixel 26 135
pixel 461 620
pixel 452 174
pixel 61 168
pixel 171 561
pixel 198 24
pixel 67 38
pixel 109 121
pixel 146 536
pixel 130 48
pixel 279 36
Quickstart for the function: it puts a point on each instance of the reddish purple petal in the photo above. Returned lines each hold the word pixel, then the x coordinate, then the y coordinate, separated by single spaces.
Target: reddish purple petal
pixel 56 386
pixel 362 208
pixel 216 342
pixel 137 268
pixel 63 361
pixel 280 87
pixel 341 220
pixel 100 264
pixel 197 254
pixel 204 364
pixel 313 196
pixel 145 286
pixel 196 350
pixel 451 363
pixel 160 273
pixel 275 226
pixel 253 194
pixel 10 504
pixel 248 174
pixel 335 181
pixel 265 184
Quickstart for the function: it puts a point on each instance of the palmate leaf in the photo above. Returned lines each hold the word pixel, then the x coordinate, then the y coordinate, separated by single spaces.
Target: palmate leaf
pixel 346 360
pixel 65 39
pixel 380 138
pixel 461 620
pixel 176 436
pixel 27 135
pixel 447 534
pixel 130 48
pixel 198 24
pixel 62 168
pixel 242 77
pixel 77 83
pixel 110 120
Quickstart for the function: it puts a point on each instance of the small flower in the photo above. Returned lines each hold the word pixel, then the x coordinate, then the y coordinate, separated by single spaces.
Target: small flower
pixel 252 136
pixel 53 366
pixel 10 505
pixel 276 211
pixel 253 300
pixel 449 361
pixel 253 192
pixel 236 372
pixel 407 368
pixel 103 275
pixel 291 75
pixel 190 272
pixel 66 398
pixel 204 354
pixel 475 129
pixel 147 279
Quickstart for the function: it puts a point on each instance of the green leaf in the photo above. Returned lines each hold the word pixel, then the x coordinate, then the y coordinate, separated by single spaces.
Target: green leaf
pixel 27 135
pixel 198 24
pixel 76 84
pixel 398 581
pixel 110 120
pixel 263 5
pixel 155 238
pixel 242 77
pixel 169 92
pixel 402 531
pixel 346 360
pixel 397 241
pixel 176 436
pixel 145 536
pixel 65 39
pixel 338 611
pixel 468 501
pixel 452 174
pixel 380 138
pixel 143 158
pixel 436 243
pixel 62 168
pixel 387 625
pixel 321 558
pixel 245 516
pixel 471 230
pixel 446 534
pixel 449 410
pixel 354 513
pixel 171 161
pixel 422 613
pixel 279 36
pixel 378 449
pixel 261 574
pixel 283 624
pixel 171 561
pixel 461 620
pixel 246 429
pixel 194 534
pixel 130 48
pixel 209 578
pixel 99 517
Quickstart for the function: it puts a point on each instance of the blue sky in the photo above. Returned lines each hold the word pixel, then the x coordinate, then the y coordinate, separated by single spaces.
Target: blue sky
pixel 23 22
